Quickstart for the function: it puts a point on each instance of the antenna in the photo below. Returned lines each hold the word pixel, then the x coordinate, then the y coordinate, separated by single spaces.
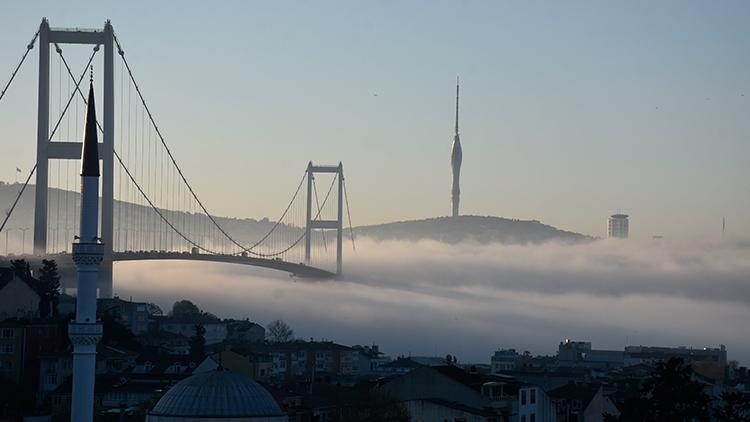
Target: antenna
pixel 457 85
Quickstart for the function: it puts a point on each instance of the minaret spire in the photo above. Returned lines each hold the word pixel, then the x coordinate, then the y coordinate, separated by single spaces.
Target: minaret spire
pixel 84 331
pixel 90 153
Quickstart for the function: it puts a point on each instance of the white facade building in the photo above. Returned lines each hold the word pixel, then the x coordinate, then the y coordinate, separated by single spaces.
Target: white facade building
pixel 618 226
pixel 534 405
pixel 504 360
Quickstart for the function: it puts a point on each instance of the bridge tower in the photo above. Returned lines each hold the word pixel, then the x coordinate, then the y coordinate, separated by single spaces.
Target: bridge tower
pixel 71 149
pixel 313 223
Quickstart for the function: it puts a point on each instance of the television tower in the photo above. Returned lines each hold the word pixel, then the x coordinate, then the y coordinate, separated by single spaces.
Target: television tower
pixel 456 156
pixel 84 332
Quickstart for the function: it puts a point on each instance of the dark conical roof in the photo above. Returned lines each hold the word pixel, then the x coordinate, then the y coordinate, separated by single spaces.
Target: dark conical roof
pixel 90 153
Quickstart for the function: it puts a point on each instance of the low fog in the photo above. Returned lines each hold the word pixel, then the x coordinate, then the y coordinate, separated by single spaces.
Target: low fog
pixel 429 298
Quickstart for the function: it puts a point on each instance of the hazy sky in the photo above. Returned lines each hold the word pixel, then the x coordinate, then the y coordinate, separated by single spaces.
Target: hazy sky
pixel 570 110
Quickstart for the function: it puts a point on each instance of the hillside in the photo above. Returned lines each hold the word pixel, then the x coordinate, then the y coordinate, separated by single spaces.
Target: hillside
pixel 471 228
pixel 444 229
pixel 245 230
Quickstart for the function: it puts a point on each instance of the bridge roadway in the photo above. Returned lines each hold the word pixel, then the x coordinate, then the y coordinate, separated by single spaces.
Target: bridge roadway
pixel 299 270
pixel 65 261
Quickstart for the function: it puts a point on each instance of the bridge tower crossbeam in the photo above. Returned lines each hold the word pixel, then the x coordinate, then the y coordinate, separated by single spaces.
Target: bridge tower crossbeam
pixel 71 150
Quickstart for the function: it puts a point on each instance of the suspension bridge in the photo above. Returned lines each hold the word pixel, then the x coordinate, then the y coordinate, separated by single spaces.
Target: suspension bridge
pixel 149 209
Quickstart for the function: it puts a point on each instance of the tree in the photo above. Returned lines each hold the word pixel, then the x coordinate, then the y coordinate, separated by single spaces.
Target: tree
pixel 198 342
pixel 279 332
pixel 21 268
pixel 117 335
pixel 185 309
pixel 668 394
pixel 49 289
pixel 736 407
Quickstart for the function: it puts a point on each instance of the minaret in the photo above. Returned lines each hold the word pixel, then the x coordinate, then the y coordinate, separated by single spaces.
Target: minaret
pixel 84 331
pixel 456 157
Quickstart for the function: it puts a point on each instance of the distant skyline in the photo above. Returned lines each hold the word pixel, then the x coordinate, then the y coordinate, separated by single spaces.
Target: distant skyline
pixel 569 112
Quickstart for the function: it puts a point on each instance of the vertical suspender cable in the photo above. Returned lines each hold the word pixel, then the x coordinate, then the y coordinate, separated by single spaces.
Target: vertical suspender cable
pixel 349 216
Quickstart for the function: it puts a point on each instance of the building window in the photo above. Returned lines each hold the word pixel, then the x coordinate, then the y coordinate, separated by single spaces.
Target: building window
pixel 7 348
pixel 523 418
pixel 8 333
pixel 532 396
pixel 50 379
pixel 6 365
pixel 523 397
pixel 532 417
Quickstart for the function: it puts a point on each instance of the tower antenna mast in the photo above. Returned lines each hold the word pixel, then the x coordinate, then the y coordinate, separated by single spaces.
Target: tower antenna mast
pixel 456 158
pixel 457 87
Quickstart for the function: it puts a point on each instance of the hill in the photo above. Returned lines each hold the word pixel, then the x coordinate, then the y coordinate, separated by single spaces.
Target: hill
pixel 471 228
pixel 443 229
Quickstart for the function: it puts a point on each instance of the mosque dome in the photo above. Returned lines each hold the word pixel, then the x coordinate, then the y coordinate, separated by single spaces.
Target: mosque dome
pixel 217 394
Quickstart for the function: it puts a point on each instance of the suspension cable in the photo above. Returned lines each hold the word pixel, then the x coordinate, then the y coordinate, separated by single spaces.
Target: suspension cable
pixel 132 179
pixel 175 164
pixel 299 239
pixel 184 179
pixel 54 130
pixel 315 190
pixel 23 58
pixel 121 52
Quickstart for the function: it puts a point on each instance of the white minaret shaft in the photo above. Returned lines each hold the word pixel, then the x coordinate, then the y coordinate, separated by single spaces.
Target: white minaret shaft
pixel 456 157
pixel 84 331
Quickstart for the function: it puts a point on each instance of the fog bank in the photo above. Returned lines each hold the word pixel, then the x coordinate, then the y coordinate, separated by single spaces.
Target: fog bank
pixel 433 298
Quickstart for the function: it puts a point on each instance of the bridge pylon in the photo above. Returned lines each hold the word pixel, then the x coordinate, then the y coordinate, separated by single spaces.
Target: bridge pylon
pixel 71 149
pixel 313 223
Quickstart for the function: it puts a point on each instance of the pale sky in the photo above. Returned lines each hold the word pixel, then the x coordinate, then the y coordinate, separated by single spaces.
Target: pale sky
pixel 569 110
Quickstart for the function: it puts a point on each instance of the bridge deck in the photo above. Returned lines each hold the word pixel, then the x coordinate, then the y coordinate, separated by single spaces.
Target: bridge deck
pixel 300 270
pixel 64 261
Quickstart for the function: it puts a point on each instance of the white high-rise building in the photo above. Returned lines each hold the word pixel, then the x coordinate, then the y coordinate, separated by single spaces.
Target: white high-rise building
pixel 618 226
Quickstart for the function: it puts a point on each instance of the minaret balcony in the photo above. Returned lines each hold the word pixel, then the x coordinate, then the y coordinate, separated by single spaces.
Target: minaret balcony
pixel 84 333
pixel 88 253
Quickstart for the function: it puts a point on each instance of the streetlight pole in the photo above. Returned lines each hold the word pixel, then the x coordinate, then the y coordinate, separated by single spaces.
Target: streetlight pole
pixel 23 241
